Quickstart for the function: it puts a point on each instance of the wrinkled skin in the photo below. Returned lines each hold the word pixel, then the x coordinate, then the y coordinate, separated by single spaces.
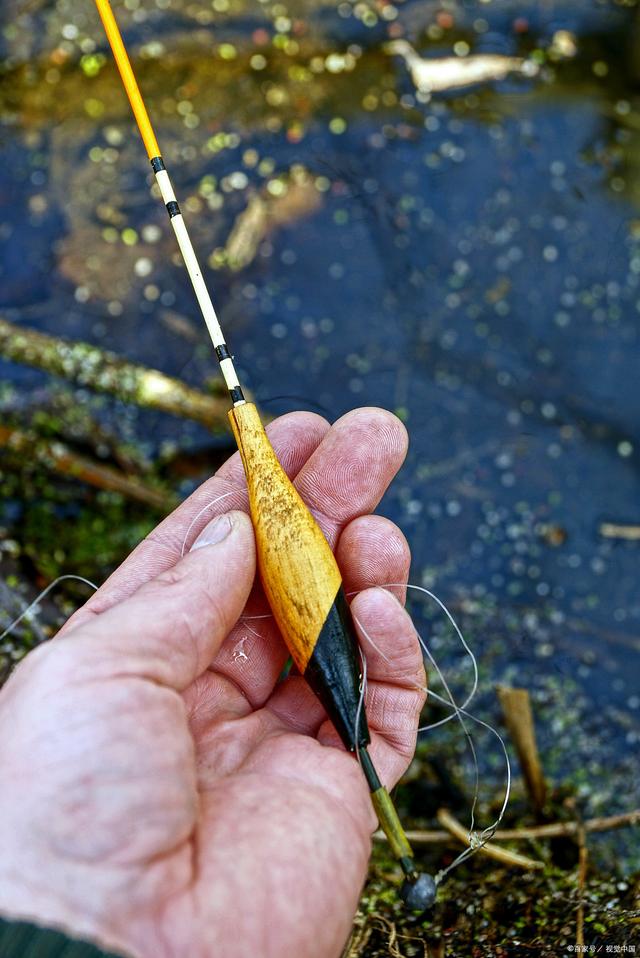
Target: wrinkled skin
pixel 161 792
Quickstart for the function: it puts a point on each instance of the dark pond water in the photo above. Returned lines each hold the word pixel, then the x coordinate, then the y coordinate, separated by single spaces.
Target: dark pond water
pixel 471 261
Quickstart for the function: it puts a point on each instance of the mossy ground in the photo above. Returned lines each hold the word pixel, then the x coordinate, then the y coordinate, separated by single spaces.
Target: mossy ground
pixel 484 911
pixel 51 526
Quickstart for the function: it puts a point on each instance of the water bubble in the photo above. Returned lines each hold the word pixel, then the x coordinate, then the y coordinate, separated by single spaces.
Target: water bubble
pixel 625 449
pixel 143 266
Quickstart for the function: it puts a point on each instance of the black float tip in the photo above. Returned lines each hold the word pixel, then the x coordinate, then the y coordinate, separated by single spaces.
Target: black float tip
pixel 419 893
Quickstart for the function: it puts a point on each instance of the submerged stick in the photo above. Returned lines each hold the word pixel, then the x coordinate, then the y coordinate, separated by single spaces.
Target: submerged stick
pixel 616 530
pixel 106 372
pixel 57 457
pixel 516 707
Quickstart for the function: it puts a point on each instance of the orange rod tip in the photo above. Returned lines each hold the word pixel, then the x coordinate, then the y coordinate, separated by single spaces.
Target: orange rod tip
pixel 123 63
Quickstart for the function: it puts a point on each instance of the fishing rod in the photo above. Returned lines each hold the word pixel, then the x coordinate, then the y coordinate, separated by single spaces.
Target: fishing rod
pixel 299 572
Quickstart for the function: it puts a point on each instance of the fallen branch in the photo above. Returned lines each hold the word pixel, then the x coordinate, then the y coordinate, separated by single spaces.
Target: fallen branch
pixel 582 878
pixel 265 212
pixel 502 855
pixel 614 530
pixel 106 372
pixel 552 830
pixel 57 457
pixel 516 708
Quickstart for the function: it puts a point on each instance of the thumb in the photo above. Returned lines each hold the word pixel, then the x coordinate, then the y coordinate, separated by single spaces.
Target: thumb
pixel 171 628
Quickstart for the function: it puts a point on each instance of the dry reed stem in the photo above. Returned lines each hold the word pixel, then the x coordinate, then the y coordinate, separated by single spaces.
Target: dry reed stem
pixel 516 708
pixel 499 854
pixel 615 530
pixel 56 457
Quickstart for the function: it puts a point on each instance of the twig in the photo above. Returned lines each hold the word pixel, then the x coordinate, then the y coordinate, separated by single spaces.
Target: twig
pixel 503 855
pixel 516 708
pixel 265 212
pixel 358 939
pixel 614 530
pixel 419 836
pixel 57 457
pixel 106 372
pixel 393 947
pixel 582 877
pixel 552 830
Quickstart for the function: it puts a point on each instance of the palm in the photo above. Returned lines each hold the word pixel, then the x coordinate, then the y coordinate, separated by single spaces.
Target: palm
pixel 273 798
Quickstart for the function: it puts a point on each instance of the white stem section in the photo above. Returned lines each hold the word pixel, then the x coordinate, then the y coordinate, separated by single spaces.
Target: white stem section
pixel 195 275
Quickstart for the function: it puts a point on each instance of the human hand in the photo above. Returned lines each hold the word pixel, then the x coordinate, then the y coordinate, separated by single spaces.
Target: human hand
pixel 161 792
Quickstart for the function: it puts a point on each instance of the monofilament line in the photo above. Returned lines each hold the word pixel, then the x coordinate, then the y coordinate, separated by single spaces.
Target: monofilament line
pixel 202 511
pixel 476 839
pixel 45 592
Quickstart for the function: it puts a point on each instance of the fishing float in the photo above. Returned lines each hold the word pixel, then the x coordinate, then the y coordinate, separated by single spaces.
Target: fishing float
pixel 299 573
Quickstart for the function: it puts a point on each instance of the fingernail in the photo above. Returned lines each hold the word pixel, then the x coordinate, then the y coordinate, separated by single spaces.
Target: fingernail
pixel 217 530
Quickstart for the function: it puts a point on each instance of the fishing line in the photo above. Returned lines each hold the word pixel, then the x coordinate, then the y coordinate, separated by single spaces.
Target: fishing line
pixel 78 578
pixel 45 592
pixel 459 712
pixel 363 694
pixel 209 505
pixel 476 839
pixel 474 688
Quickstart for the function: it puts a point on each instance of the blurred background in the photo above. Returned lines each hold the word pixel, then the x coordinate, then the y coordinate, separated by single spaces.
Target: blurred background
pixel 374 232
